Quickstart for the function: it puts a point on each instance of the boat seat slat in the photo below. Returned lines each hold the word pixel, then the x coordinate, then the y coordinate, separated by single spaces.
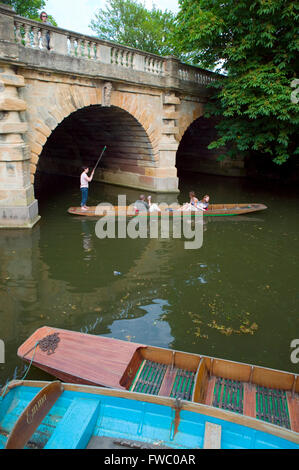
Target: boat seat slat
pixel 74 433
pixel 212 438
pixel 168 381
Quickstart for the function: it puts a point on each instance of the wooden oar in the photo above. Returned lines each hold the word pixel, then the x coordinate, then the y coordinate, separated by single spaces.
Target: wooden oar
pixel 33 415
pixel 99 158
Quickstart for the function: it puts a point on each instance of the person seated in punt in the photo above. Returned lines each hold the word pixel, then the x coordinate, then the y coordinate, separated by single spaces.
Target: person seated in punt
pixel 152 206
pixel 192 205
pixel 204 203
pixel 141 205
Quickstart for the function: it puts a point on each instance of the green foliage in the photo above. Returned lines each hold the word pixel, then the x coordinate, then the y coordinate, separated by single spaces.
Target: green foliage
pixel 29 8
pixel 26 8
pixel 255 42
pixel 129 23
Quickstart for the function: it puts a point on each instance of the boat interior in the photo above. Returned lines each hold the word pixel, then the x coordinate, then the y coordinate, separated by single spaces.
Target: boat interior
pixel 265 394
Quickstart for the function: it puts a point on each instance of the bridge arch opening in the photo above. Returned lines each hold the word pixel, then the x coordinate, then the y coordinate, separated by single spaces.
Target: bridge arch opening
pixel 193 155
pixel 80 138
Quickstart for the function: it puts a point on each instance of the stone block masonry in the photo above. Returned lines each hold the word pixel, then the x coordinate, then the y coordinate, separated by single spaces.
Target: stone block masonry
pixel 18 208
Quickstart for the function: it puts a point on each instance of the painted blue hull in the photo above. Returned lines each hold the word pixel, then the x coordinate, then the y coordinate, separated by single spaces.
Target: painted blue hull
pixel 78 418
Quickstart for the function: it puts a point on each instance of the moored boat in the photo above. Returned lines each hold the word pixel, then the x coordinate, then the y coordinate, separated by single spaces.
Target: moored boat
pixel 52 415
pixel 129 211
pixel 267 395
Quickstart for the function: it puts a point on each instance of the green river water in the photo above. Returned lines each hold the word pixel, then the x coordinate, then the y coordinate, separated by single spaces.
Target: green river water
pixel 236 297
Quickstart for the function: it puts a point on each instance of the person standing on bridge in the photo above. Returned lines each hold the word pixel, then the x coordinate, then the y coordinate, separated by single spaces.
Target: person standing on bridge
pixel 84 180
pixel 44 18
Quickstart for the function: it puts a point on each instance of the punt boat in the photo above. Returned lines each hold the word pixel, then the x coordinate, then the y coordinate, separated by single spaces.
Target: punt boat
pixel 263 394
pixel 129 211
pixel 55 415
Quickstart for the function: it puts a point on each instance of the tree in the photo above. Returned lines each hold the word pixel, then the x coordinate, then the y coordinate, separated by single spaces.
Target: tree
pixel 29 8
pixel 256 42
pixel 26 8
pixel 129 23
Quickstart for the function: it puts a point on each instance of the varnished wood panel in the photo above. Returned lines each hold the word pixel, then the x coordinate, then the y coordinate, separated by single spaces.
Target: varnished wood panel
pixel 87 358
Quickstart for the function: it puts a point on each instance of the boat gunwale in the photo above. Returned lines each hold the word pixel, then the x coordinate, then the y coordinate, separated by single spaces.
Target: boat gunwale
pixel 184 405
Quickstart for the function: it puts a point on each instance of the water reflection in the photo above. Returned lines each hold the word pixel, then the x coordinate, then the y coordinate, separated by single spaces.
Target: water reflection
pixel 86 238
pixel 151 328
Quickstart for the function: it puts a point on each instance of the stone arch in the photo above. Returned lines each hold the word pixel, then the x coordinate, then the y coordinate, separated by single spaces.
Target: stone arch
pixel 190 112
pixel 193 154
pixel 49 108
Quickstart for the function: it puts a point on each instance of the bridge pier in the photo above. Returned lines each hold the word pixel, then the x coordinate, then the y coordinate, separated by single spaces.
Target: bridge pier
pixel 18 208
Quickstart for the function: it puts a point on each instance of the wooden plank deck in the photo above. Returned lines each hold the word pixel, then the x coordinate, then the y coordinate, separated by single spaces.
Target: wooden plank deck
pixel 210 391
pixel 249 400
pixel 80 357
pixel 212 438
pixel 293 405
pixel 168 381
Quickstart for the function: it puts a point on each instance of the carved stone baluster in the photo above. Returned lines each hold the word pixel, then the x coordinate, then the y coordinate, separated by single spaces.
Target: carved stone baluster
pixel 18 32
pixel 152 65
pixel 112 54
pixel 126 58
pixel 93 50
pixel 129 59
pixel 116 56
pixel 85 48
pixel 122 54
pixel 158 66
pixel 72 51
pixel 132 55
pixel 27 35
pixel 146 64
pixel 97 51
pixel 44 39
pixel 35 32
pixel 79 47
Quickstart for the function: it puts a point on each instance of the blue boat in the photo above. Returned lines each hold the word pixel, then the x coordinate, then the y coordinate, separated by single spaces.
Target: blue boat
pixel 54 415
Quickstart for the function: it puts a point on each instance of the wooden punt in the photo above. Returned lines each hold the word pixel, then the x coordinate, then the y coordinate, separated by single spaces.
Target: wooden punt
pixel 261 393
pixel 52 415
pixel 129 211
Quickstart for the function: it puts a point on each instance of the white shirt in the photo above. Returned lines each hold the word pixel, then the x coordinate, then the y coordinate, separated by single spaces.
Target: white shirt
pixel 84 180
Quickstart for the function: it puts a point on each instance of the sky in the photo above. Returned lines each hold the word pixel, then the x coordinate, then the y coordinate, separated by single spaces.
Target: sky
pixel 75 15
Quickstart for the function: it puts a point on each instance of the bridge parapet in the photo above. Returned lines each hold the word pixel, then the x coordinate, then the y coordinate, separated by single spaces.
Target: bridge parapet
pixel 39 37
pixel 34 35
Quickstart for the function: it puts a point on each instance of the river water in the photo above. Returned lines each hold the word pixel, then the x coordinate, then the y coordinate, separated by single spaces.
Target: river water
pixel 236 297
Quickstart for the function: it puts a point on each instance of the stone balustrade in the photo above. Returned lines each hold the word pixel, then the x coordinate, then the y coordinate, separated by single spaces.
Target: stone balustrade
pixel 35 35
pixel 195 75
pixel 32 34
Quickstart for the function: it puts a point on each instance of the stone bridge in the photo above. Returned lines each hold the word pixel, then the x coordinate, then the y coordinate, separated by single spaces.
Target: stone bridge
pixel 63 96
